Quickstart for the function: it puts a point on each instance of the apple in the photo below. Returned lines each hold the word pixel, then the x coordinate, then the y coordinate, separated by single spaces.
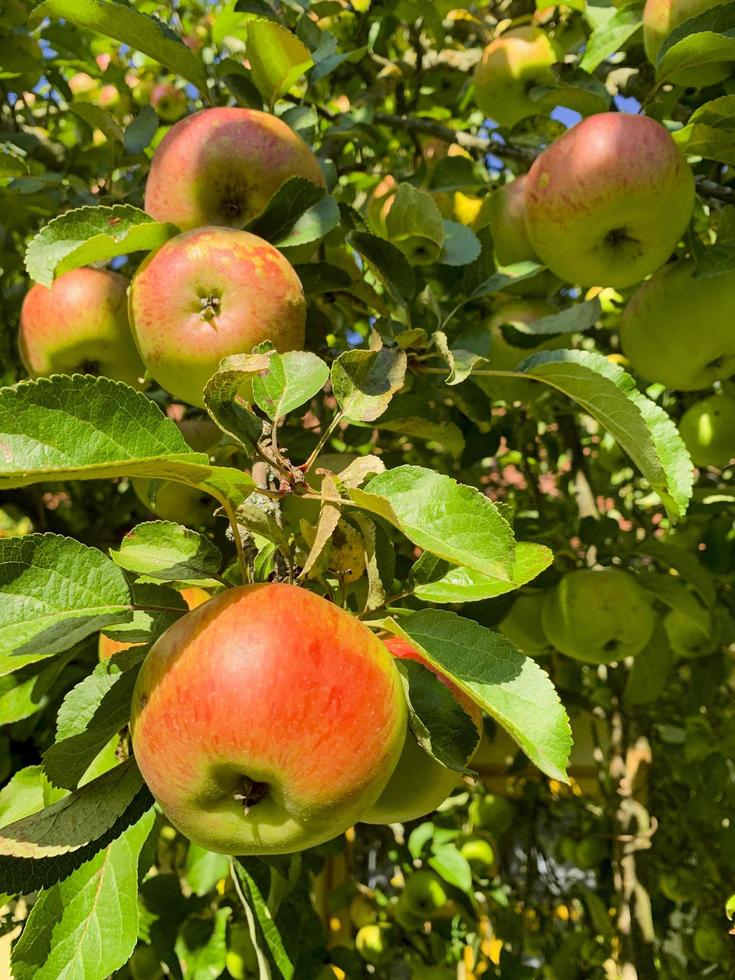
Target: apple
pixel 492 813
pixel 511 66
pixel 522 624
pixel 710 941
pixel 192 595
pixel 708 429
pixel 479 854
pixel 505 356
pixel 221 166
pixel 168 101
pixel 423 895
pixel 607 203
pixel 676 885
pixel 419 784
pixel 375 943
pixel 267 720
pixel 677 330
pixel 660 17
pixel 598 616
pixel 80 324
pixel 689 638
pixel 209 293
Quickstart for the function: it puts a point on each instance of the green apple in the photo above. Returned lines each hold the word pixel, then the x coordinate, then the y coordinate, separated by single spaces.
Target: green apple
pixel 168 101
pixel 362 911
pixel 708 429
pixel 511 66
pixel 677 330
pixel 492 813
pixel 376 943
pixel 711 942
pixel 479 854
pixel 241 960
pixel 423 895
pixel 522 624
pixel 676 885
pixel 80 324
pixel 660 17
pixel 689 638
pixel 608 202
pixel 598 616
pixel 418 784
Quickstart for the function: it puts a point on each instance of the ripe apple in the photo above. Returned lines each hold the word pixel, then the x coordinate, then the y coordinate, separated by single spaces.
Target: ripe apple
pixel 192 595
pixel 607 203
pixel 708 429
pixel 209 293
pixel 522 624
pixel 168 101
pixel 492 813
pixel 511 66
pixel 419 784
pixel 505 356
pixel 660 17
pixel 80 324
pixel 598 616
pixel 267 720
pixel 221 167
pixel 677 330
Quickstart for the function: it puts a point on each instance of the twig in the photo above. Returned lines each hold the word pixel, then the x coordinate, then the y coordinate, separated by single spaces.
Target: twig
pixel 430 128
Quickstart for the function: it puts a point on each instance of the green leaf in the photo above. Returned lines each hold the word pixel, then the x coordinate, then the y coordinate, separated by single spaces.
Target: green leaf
pixel 263 929
pixel 86 925
pixel 168 552
pixel 364 381
pixel 512 688
pixel 157 608
pixel 23 794
pixel 449 519
pixel 710 142
pixel 388 263
pixel 90 715
pixel 85 428
pixel 611 36
pixel 312 226
pixel 414 224
pixel 321 277
pixel 277 58
pixel 224 401
pixel 504 277
pixel 642 429
pixel 141 130
pixel 438 721
pixel 92 234
pixel 124 24
pixel 461 245
pixel 440 582
pixel 98 118
pixel 575 319
pixel 205 868
pixel 573 88
pixel 54 592
pixel 292 199
pixel 650 672
pixel 201 945
pixel 700 40
pixel 45 847
pixel 452 867
pixel 291 380
pixel 461 362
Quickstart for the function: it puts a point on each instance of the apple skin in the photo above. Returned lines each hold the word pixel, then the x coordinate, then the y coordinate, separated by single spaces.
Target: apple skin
pixel 708 429
pixel 492 813
pixel 522 624
pixel 677 330
pixel 221 166
pixel 660 17
pixel 598 616
pixel 168 101
pixel 510 67
pixel 192 595
pixel 607 203
pixel 419 784
pixel 80 324
pixel 423 895
pixel 209 293
pixel 271 686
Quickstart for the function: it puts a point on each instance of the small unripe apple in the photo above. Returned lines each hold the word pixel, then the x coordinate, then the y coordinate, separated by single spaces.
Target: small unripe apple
pixel 607 203
pixel 689 638
pixel 419 784
pixel 677 330
pixel 660 17
pixel 511 66
pixel 80 324
pixel 376 943
pixel 168 101
pixel 479 854
pixel 598 616
pixel 492 813
pixel 209 293
pixel 708 429
pixel 362 911
pixel 221 166
pixel 267 720
pixel 424 894
pixel 710 941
